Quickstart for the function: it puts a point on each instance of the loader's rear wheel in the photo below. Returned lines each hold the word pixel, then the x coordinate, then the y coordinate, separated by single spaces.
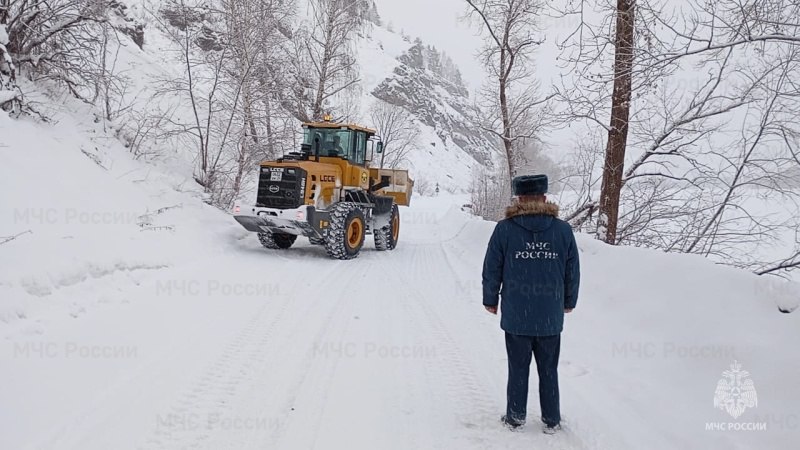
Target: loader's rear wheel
pixel 276 241
pixel 386 237
pixel 345 236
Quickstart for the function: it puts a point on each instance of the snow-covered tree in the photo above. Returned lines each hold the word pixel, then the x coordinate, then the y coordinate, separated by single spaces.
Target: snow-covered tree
pixel 233 88
pixel 711 124
pixel 53 39
pixel 325 65
pixel 399 133
pixel 9 93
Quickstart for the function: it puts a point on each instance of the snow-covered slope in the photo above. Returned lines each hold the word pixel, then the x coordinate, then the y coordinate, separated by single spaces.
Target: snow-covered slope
pixel 146 326
pixel 85 214
pixel 454 138
pixel 404 73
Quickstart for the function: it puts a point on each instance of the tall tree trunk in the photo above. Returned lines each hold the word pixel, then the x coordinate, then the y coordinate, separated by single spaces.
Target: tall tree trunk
pixel 4 11
pixel 506 67
pixel 508 145
pixel 241 166
pixel 620 115
pixel 269 133
pixel 327 58
pixel 268 127
pixel 250 121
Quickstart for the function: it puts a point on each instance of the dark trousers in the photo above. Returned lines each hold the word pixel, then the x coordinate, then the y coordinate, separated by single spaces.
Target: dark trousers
pixel 546 350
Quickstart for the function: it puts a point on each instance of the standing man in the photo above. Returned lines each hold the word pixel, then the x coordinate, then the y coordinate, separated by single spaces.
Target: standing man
pixel 532 264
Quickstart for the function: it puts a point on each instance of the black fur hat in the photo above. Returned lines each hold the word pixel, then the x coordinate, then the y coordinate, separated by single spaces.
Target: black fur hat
pixel 530 185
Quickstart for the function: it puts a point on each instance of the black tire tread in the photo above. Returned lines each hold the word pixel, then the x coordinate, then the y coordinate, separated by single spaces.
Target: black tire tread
pixel 383 236
pixel 335 235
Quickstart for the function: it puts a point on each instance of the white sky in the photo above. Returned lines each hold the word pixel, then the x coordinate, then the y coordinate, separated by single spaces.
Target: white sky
pixel 437 22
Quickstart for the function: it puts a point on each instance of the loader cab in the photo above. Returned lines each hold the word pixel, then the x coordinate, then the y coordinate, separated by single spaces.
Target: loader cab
pixel 328 139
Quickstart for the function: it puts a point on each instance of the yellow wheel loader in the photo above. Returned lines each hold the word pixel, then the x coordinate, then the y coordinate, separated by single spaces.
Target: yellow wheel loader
pixel 328 193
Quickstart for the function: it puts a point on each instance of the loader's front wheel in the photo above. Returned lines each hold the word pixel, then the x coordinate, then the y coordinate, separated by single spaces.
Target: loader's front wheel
pixel 276 241
pixel 345 237
pixel 386 237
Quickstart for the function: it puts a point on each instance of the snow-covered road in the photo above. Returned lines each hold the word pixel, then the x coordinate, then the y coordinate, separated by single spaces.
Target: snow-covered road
pixel 244 348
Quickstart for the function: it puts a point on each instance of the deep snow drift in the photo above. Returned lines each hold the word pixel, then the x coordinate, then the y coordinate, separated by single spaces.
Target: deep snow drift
pixel 135 316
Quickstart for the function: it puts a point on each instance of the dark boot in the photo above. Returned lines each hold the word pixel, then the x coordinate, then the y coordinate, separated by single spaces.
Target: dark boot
pixel 511 424
pixel 551 430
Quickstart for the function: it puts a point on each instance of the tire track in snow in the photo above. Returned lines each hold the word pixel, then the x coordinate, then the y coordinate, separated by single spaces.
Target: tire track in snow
pixel 323 368
pixel 474 407
pixel 274 387
pixel 190 421
pixel 198 413
pixel 312 367
pixel 318 395
pixel 86 423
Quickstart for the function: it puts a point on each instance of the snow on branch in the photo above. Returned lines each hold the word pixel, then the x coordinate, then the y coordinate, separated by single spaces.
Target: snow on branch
pixel 9 94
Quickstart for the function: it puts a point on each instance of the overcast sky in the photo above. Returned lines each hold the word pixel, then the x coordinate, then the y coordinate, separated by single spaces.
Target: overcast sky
pixel 437 23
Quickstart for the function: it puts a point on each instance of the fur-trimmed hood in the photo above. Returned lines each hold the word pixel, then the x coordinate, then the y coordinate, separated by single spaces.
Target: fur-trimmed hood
pixel 532 208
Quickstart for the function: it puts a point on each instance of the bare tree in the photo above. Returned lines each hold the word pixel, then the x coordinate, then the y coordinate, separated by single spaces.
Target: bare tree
pixel 325 65
pixel 55 40
pixel 110 84
pixel 253 30
pixel 212 101
pixel 227 105
pixel 516 111
pixel 397 130
pixel 711 129
pixel 144 126
pixel 489 193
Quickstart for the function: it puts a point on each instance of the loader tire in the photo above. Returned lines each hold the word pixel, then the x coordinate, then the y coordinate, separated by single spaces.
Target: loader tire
pixel 386 237
pixel 276 241
pixel 346 233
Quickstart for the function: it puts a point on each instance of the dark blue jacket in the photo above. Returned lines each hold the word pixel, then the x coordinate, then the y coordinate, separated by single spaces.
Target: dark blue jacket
pixel 532 264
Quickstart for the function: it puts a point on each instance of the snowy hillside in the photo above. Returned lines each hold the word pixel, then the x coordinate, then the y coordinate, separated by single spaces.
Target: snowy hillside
pixel 452 137
pixel 450 144
pixel 135 316
pixel 149 59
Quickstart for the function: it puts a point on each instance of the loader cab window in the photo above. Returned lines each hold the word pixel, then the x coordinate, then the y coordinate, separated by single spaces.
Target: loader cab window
pixel 335 142
pixel 329 142
pixel 361 148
